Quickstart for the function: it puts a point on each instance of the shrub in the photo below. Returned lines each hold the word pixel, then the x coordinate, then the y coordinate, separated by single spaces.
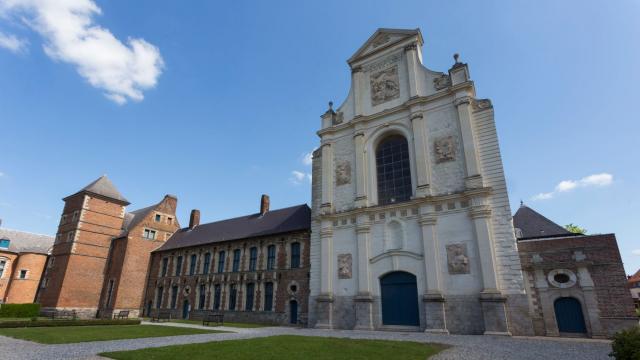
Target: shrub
pixel 19 310
pixel 626 344
pixel 53 323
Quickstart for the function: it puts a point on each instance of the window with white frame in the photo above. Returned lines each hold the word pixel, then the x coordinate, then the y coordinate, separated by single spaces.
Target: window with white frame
pixel 75 216
pixel 3 265
pixel 70 236
pixel 4 243
pixel 149 234
pixel 158 217
pixel 22 274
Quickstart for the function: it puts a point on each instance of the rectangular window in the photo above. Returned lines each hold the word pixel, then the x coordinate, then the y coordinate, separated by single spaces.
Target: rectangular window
pixel 253 258
pixel 149 234
pixel 75 216
pixel 249 303
pixel 192 264
pixel 207 263
pixel 268 296
pixel 221 261
pixel 110 293
pixel 202 297
pixel 23 274
pixel 233 293
pixel 159 297
pixel 3 263
pixel 216 297
pixel 179 266
pixel 174 297
pixel 4 243
pixel 295 255
pixel 169 220
pixel 158 217
pixel 70 236
pixel 63 219
pixel 165 265
pixel 271 257
pixel 236 260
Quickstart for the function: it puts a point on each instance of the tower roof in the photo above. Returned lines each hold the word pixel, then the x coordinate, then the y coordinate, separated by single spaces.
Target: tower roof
pixel 534 225
pixel 104 187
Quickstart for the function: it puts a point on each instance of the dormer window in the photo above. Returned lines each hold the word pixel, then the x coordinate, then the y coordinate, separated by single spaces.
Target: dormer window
pixel 4 243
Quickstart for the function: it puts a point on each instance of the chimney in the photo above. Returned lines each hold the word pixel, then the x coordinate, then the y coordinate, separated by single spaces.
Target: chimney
pixel 264 204
pixel 194 220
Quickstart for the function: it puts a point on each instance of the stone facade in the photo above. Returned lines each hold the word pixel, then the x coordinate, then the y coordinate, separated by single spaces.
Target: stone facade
pixel 180 291
pixel 586 268
pixel 458 200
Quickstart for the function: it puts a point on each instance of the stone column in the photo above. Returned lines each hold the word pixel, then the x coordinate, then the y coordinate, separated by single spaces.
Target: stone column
pixel 492 300
pixel 412 66
pixel 356 79
pixel 324 301
pixel 361 161
pixel 364 300
pixel 473 179
pixel 420 143
pixel 433 298
pixel 327 178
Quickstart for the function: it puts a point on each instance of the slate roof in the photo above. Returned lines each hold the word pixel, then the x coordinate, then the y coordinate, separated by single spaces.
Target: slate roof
pixel 21 241
pixel 104 187
pixel 295 218
pixel 532 224
pixel 131 219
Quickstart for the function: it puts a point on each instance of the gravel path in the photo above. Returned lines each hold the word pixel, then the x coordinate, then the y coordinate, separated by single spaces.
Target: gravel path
pixel 464 347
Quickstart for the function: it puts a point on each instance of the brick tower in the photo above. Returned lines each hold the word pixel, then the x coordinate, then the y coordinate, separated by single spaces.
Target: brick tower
pixel 91 218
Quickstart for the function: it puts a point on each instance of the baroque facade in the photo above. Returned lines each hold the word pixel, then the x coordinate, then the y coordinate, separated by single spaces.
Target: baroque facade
pixel 101 253
pixel 411 224
pixel 253 268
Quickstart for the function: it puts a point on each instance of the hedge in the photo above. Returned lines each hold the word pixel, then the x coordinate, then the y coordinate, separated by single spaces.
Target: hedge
pixel 19 310
pixel 53 323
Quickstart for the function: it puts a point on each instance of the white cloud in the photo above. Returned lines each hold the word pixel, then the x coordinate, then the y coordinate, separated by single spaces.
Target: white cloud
pixel 122 71
pixel 307 159
pixel 1 174
pixel 636 252
pixel 595 180
pixel 13 43
pixel 298 177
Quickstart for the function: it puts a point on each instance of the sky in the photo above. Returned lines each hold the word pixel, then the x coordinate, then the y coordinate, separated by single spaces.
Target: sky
pixel 219 102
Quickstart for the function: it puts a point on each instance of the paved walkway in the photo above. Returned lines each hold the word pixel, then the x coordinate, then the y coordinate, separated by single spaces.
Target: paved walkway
pixel 463 346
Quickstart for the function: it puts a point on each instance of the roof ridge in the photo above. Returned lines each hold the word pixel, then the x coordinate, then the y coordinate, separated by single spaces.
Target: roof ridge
pixel 27 232
pixel 256 213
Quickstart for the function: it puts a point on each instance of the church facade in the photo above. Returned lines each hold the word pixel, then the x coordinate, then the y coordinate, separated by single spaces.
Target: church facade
pixel 411 224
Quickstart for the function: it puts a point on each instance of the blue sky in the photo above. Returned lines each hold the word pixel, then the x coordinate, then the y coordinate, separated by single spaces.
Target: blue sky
pixel 218 103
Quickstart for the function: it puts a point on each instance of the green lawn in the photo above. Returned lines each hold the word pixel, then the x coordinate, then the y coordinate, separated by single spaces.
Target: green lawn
pixel 288 347
pixel 238 325
pixel 75 334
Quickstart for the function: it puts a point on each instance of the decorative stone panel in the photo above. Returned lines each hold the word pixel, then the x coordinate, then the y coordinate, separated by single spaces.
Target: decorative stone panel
pixel 457 259
pixel 343 173
pixel 385 85
pixel 345 266
pixel 445 149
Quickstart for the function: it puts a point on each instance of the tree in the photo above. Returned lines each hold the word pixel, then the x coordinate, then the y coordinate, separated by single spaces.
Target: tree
pixel 575 229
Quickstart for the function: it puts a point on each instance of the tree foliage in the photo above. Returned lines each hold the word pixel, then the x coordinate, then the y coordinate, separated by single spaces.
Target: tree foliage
pixel 575 229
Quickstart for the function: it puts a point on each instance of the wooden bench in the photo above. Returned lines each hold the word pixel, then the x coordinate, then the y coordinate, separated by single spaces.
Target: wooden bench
pixel 216 318
pixel 122 314
pixel 161 315
pixel 60 314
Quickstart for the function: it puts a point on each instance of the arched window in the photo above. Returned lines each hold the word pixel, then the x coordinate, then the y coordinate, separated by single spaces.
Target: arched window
pixel 393 170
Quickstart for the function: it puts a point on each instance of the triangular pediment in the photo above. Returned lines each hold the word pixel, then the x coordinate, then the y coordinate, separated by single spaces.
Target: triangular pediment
pixel 383 39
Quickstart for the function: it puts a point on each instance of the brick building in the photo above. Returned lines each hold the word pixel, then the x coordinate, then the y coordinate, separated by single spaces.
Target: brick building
pixel 23 257
pixel 575 283
pixel 97 237
pixel 253 268
pixel 634 287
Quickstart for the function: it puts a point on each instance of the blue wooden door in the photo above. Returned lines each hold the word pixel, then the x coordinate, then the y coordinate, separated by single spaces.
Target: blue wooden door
pixel 399 299
pixel 185 309
pixel 293 309
pixel 569 315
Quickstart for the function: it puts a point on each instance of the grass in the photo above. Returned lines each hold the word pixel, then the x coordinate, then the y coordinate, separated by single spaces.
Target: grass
pixel 288 347
pixel 231 324
pixel 75 334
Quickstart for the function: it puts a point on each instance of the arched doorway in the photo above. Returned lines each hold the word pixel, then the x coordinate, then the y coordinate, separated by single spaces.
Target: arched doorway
pixel 293 312
pixel 569 315
pixel 185 309
pixel 399 294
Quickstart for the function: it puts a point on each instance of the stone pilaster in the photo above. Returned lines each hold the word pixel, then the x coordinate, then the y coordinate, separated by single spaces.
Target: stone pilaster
pixel 363 301
pixel 358 89
pixel 474 178
pixel 590 303
pixel 327 179
pixel 412 65
pixel 324 301
pixel 420 143
pixel 433 299
pixel 361 161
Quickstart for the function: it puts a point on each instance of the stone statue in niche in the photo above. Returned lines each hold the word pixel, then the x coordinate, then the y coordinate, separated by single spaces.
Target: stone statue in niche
pixel 442 82
pixel 445 149
pixel 343 173
pixel 385 85
pixel 344 266
pixel 457 259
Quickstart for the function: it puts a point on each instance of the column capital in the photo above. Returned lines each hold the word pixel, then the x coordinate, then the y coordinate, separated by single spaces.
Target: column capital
pixel 463 100
pixel 363 228
pixel 416 115
pixel 412 47
pixel 427 220
pixel 326 233
pixel 480 211
pixel 360 133
pixel 356 69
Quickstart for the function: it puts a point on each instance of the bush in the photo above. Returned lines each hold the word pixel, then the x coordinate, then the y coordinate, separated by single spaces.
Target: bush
pixel 53 323
pixel 626 344
pixel 19 310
